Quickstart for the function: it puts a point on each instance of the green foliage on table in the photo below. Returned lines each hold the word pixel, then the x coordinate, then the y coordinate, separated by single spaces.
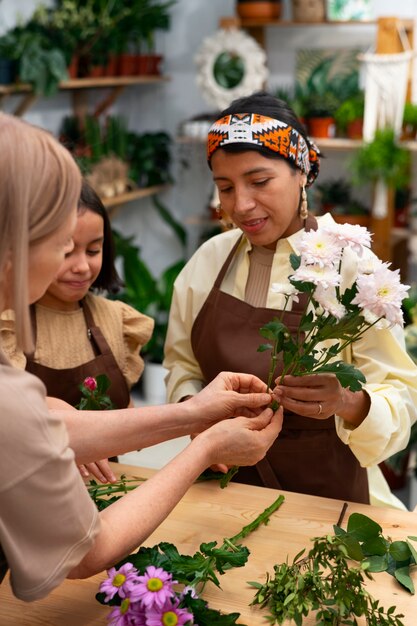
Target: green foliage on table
pixel 325 580
pixel 383 158
pixel 203 566
pixel 350 110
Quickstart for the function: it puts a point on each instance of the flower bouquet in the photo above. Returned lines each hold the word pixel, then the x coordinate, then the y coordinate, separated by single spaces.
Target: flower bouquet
pixel 335 315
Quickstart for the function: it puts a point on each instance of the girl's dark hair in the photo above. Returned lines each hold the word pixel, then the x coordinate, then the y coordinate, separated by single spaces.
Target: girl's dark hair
pixel 266 104
pixel 108 277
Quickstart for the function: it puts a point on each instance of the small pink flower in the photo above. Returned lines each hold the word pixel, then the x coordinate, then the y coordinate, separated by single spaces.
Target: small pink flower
pixel 154 588
pixel 381 293
pixel 126 614
pixel 90 383
pixel 120 581
pixel 351 236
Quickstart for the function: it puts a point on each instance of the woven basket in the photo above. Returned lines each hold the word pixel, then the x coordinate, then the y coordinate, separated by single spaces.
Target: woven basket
pixel 308 10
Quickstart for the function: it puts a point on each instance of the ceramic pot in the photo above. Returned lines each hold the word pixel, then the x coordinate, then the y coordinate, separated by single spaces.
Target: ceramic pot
pixel 354 129
pixel 323 127
pixel 308 10
pixel 259 9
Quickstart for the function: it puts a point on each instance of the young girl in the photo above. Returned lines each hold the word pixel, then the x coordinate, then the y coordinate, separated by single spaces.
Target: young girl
pixel 78 333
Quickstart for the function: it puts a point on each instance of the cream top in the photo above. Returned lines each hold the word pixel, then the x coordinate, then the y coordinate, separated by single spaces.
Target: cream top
pixel 62 336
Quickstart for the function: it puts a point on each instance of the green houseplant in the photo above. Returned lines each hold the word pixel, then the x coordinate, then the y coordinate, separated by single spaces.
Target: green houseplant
pixel 143 291
pixel 382 159
pixel 349 116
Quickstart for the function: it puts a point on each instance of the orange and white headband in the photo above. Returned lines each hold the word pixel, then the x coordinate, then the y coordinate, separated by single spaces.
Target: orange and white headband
pixel 269 135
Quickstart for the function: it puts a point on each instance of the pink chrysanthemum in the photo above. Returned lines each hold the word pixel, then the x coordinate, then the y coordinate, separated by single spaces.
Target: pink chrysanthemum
pixel 325 276
pixel 350 235
pixel 90 383
pixel 381 293
pixel 319 247
pixel 121 581
pixel 127 614
pixel 169 615
pixel 154 588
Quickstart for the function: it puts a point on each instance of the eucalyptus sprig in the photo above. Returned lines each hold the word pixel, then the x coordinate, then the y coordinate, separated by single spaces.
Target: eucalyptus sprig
pixel 325 580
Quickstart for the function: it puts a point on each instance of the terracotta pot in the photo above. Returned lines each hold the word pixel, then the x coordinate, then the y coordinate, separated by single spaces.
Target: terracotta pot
pixel 149 64
pixel 354 129
pixel 128 64
pixel 96 71
pixel 321 126
pixel 262 10
pixel 112 67
pixel 73 67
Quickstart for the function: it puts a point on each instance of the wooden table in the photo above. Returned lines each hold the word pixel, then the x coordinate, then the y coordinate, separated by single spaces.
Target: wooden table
pixel 209 513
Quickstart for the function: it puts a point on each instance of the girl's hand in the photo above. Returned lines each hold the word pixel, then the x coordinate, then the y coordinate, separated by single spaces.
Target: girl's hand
pixel 100 470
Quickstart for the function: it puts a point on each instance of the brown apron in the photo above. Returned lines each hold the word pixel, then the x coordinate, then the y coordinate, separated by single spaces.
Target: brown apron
pixel 308 456
pixel 64 383
pixel 3 565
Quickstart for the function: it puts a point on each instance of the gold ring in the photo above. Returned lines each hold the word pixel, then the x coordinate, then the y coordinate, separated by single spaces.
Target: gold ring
pixel 320 409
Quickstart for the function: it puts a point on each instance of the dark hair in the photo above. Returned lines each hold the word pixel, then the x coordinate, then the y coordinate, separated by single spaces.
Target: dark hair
pixel 108 277
pixel 266 104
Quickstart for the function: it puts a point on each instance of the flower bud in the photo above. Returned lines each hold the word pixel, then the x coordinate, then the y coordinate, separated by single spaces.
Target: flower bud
pixel 90 383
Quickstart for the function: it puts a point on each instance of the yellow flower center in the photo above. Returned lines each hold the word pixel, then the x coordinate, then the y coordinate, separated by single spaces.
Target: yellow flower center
pixel 124 606
pixel 155 584
pixel 383 291
pixel 118 580
pixel 170 618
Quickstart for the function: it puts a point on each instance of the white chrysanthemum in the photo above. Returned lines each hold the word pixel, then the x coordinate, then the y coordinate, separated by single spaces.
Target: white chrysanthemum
pixel 286 289
pixel 381 293
pixel 318 275
pixel 371 318
pixel 327 298
pixel 350 235
pixel 370 265
pixel 318 247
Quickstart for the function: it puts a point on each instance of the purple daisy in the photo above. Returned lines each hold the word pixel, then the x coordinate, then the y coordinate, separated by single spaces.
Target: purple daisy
pixel 154 588
pixel 119 581
pixel 169 615
pixel 127 614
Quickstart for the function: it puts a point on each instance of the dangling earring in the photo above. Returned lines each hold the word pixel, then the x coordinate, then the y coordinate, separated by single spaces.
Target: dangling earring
pixel 303 205
pixel 219 211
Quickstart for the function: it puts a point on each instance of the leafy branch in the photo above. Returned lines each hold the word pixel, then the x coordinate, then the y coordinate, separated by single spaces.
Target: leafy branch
pixel 325 581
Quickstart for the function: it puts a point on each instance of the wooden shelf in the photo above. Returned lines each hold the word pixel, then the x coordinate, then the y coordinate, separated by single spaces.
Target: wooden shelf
pixel 136 194
pixel 253 23
pixel 79 87
pixel 88 83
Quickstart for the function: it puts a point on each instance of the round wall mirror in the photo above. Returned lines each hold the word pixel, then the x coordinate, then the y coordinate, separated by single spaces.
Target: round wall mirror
pixel 231 64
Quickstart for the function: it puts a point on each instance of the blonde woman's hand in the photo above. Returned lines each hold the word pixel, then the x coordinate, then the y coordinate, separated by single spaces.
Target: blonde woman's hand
pixel 100 470
pixel 240 441
pixel 228 395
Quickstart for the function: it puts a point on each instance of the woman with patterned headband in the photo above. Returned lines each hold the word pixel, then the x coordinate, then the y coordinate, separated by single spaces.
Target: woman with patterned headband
pixel 262 161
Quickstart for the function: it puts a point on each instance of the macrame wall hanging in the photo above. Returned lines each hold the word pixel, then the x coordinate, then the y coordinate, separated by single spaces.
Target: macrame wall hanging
pixel 386 80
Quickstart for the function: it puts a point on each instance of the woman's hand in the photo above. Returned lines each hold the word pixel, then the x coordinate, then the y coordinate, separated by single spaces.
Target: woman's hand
pixel 321 395
pixel 240 441
pixel 228 395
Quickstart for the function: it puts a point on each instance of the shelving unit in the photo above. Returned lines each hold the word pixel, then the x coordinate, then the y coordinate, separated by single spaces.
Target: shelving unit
pixel 115 202
pixel 80 86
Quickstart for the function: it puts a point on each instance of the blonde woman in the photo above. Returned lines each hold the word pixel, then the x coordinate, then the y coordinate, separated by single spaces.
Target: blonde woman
pixel 46 515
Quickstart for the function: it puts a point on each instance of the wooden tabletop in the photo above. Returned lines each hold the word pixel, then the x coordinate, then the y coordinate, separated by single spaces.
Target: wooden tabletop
pixel 209 513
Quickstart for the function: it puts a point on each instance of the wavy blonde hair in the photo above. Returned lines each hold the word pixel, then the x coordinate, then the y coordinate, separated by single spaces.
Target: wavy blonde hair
pixel 40 186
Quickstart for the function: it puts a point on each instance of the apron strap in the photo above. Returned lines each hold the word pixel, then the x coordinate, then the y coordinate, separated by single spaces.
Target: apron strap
pixel 226 264
pixel 98 342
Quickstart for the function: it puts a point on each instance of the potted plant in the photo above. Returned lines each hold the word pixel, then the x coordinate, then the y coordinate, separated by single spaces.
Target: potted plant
pixel 382 159
pixel 335 197
pixel 8 59
pixel 150 295
pixel 349 116
pixel 409 121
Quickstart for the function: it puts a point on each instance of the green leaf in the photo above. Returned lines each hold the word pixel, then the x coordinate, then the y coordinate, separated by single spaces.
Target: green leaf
pixel 348 375
pixel 362 527
pixel 375 546
pixel 353 547
pixel 400 550
pixel 295 261
pixel 413 550
pixel 376 563
pixel 263 347
pixel 403 576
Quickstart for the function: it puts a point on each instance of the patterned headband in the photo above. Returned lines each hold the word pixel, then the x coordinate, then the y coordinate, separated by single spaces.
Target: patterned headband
pixel 268 134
